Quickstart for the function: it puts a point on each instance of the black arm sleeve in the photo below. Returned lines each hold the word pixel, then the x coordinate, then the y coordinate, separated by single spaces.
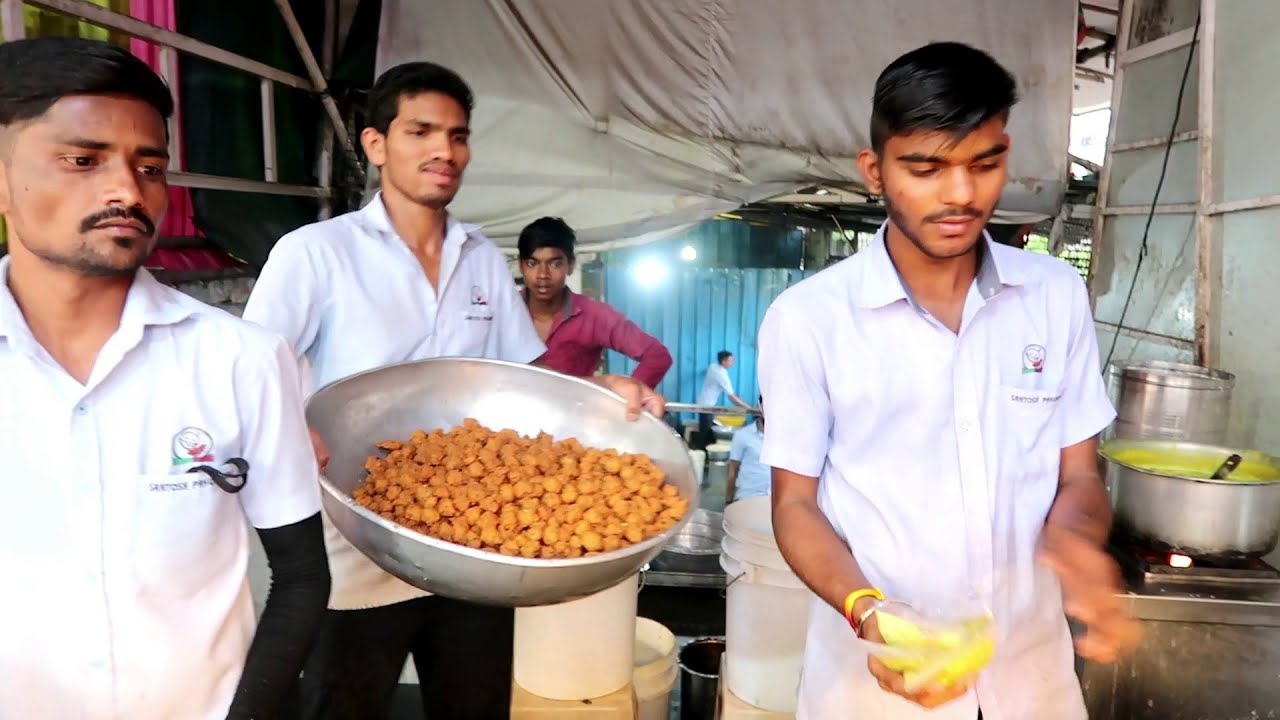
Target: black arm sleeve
pixel 290 621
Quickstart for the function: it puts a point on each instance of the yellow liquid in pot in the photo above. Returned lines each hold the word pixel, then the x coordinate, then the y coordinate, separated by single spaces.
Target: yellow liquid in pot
pixel 1171 463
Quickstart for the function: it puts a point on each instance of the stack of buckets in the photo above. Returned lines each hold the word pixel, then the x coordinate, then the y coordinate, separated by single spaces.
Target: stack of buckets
pixel 766 613
pixel 654 676
pixel 594 649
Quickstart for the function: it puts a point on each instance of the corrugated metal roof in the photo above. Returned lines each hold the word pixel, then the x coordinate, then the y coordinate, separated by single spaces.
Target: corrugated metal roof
pixel 697 312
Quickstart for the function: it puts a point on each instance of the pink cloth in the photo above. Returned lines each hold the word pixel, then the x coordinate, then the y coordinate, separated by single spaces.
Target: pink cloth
pixel 177 222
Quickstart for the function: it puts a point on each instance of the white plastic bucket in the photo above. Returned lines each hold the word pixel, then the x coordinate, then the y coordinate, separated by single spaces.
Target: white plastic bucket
pixel 577 650
pixel 751 521
pixel 655 670
pixel 766 611
pixel 699 458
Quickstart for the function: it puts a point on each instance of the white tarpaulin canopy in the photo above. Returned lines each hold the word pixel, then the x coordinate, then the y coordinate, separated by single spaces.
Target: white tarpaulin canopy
pixel 628 117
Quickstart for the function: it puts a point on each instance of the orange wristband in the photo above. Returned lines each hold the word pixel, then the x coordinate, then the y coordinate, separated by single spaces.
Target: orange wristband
pixel 852 599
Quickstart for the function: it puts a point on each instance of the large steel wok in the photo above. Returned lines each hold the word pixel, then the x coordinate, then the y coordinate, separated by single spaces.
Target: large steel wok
pixel 1164 498
pixel 355 413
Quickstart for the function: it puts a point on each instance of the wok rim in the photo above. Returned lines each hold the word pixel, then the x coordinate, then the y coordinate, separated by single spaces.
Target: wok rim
pixel 345 499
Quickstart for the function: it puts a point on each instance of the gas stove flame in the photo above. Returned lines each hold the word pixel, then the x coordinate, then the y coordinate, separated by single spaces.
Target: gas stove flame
pixel 1179 561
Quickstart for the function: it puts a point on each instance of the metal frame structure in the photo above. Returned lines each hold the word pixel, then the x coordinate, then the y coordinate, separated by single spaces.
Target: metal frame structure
pixel 1208 221
pixel 1208 258
pixel 171 43
pixel 1209 210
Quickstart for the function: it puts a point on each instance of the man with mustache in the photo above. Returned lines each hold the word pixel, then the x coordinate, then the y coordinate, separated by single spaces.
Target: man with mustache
pixel 139 428
pixel 925 458
pixel 404 280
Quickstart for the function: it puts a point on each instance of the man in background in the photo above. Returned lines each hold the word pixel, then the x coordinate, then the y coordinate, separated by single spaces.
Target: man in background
pixel 748 477
pixel 577 329
pixel 715 384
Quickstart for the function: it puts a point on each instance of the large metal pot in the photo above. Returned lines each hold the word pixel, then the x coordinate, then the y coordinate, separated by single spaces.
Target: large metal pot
pixel 1163 498
pixel 696 548
pixel 353 414
pixel 1170 401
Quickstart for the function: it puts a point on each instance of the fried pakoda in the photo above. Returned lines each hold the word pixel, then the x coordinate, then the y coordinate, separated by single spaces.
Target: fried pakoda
pixel 531 497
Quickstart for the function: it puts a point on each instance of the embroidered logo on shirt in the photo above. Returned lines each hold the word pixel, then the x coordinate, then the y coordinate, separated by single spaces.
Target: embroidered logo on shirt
pixel 479 308
pixel 192 445
pixel 1032 359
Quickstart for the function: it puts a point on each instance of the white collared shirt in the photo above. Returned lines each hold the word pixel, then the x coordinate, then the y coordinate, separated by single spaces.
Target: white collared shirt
pixel 715 384
pixel 350 296
pixel 753 476
pixel 937 456
pixel 126 587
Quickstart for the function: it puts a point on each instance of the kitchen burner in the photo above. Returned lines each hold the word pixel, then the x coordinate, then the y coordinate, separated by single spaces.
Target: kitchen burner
pixel 1154 566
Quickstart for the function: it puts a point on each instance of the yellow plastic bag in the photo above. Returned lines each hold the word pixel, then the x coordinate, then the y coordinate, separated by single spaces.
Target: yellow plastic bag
pixel 933 650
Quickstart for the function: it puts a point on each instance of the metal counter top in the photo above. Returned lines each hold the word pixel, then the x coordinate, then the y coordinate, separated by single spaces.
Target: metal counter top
pixel 1237 603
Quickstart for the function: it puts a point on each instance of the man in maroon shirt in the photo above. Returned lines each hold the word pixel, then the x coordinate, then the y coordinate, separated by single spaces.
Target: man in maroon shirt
pixel 576 328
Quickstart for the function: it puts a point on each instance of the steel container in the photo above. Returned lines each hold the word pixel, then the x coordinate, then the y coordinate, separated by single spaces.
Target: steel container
pixel 1170 401
pixel 1192 515
pixel 700 662
pixel 355 413
pixel 696 548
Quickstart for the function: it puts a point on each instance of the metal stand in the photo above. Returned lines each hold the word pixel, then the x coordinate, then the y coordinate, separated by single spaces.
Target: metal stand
pixel 169 41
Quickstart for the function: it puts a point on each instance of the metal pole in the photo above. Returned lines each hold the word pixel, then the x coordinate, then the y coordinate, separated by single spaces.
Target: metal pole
pixel 219 182
pixel 1208 226
pixel 321 84
pixel 324 173
pixel 268 94
pixel 1089 165
pixel 1104 178
pixel 169 71
pixel 712 409
pixel 15 28
pixel 115 21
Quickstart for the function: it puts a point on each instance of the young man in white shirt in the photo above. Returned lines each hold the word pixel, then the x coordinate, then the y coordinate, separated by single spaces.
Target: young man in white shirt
pixel 714 385
pixel 139 428
pixel 403 280
pixel 748 477
pixel 941 419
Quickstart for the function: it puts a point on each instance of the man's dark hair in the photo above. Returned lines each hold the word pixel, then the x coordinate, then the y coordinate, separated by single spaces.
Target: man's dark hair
pixel 409 80
pixel 723 355
pixel 41 71
pixel 942 87
pixel 547 232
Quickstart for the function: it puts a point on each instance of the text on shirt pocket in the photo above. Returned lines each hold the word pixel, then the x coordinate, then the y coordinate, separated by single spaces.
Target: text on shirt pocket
pixel 179 519
pixel 1030 414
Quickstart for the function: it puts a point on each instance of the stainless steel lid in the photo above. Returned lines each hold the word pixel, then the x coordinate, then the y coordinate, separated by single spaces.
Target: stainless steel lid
pixel 1171 374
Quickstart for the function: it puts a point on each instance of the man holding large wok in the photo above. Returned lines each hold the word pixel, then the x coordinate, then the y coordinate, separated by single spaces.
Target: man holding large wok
pixel 397 281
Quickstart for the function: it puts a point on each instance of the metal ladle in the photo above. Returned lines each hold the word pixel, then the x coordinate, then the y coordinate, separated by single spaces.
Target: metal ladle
pixel 1227 467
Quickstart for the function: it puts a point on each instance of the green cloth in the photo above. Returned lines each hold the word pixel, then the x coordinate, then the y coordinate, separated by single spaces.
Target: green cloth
pixel 43 23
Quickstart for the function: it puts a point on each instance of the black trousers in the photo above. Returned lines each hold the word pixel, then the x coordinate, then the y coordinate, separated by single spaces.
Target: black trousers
pixel 462 653
pixel 706 435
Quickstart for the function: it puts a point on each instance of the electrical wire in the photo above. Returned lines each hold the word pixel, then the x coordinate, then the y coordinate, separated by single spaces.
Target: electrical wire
pixel 1164 166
